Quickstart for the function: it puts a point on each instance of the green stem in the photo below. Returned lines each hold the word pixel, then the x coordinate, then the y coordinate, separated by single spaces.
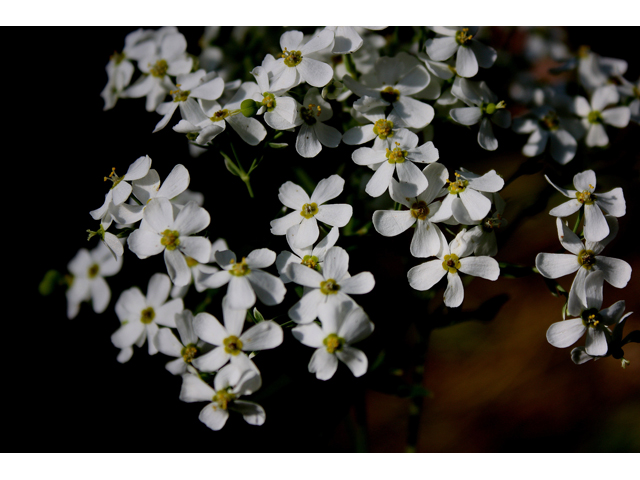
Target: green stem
pixel 350 65
pixel 579 219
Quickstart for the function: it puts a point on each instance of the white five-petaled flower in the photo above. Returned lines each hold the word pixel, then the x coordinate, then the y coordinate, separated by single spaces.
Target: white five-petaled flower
pixel 89 269
pixel 188 88
pixel 342 325
pixel 165 228
pixel 400 159
pixel 229 341
pixel 229 384
pixel 246 279
pixel 382 131
pixel 280 111
pixel 426 241
pixel 463 199
pixel 308 256
pixel 171 59
pixel 595 224
pixel 302 223
pixel 471 53
pixel 150 186
pixel 393 82
pixel 313 132
pixel 120 190
pixel 586 259
pixel 485 109
pixel 450 262
pixel 295 66
pixel 215 118
pixel 332 285
pixel 594 115
pixel 140 315
pixel 185 350
pixel 592 320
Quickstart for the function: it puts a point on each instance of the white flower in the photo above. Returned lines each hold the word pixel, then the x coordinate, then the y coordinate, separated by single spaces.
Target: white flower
pixel 312 258
pixel 399 159
pixel 471 53
pixel 171 59
pixel 592 320
pixel 594 115
pixel 484 235
pixel 200 271
pixel 246 279
pixel 547 126
pixel 229 384
pixel 313 132
pixel 140 315
pixel 120 190
pixel 249 129
pixel 280 111
pixel 464 201
pixel 230 343
pixel 427 236
pixel 307 211
pixel 586 259
pixel 185 349
pixel 393 82
pixel 486 109
pixel 332 285
pixel 188 88
pixel 89 269
pixel 382 131
pixel 164 230
pixel 296 66
pixel 595 224
pixel 342 325
pixel 148 187
pixel 450 262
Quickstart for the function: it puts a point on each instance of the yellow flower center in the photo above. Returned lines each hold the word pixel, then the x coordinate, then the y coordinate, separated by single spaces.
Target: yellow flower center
pixel 180 95
pixel 239 269
pixel 222 398
pixel 550 121
pixel 219 115
pixel 595 117
pixel 292 58
pixel 397 155
pixel 117 57
pixel 232 345
pixel 309 210
pixel 383 129
pixel 333 343
pixel 93 270
pixel 462 36
pixel 170 239
pixel 115 179
pixel 451 263
pixel 419 210
pixel 329 287
pixel 587 259
pixel 311 261
pixel 310 113
pixel 191 262
pixel 189 352
pixel 460 185
pixel 159 69
pixel 269 101
pixel 591 318
pixel 586 197
pixel 390 94
pixel 147 315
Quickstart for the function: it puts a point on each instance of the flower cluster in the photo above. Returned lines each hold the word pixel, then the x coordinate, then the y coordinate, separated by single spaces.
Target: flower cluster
pixel 349 90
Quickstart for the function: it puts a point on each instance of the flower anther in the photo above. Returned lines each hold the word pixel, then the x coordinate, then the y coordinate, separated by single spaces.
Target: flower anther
pixel 419 210
pixel 311 261
pixel 93 270
pixel 240 269
pixel 595 117
pixel 189 352
pixel 159 69
pixel 462 36
pixel 390 94
pixel 383 129
pixel 222 398
pixel 269 101
pixel 292 58
pixel 586 197
pixel 147 315
pixel 459 186
pixel 220 115
pixel 550 121
pixel 397 155
pixel 587 259
pixel 310 113
pixel 309 210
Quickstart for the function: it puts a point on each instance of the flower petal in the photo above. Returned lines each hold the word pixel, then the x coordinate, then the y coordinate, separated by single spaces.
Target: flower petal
pixel 426 275
pixel 566 333
pixel 355 359
pixel 263 336
pixel 454 294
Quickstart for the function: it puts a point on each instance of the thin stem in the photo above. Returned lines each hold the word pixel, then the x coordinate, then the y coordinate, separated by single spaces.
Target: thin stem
pixel 579 219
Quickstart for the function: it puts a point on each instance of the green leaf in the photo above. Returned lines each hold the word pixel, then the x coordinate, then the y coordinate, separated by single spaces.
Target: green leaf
pixel 49 282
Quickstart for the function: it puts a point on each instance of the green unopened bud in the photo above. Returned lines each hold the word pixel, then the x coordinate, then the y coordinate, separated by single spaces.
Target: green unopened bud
pixel 277 145
pixel 49 282
pixel 249 107
pixel 624 362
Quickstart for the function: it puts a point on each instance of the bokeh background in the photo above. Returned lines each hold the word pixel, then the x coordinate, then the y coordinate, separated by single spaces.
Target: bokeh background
pixel 492 382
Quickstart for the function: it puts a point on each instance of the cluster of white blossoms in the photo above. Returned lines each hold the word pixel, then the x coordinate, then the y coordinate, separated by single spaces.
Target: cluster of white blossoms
pixel 379 110
pixel 586 294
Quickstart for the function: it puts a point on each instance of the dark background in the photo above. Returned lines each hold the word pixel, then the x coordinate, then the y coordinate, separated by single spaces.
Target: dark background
pixel 497 384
